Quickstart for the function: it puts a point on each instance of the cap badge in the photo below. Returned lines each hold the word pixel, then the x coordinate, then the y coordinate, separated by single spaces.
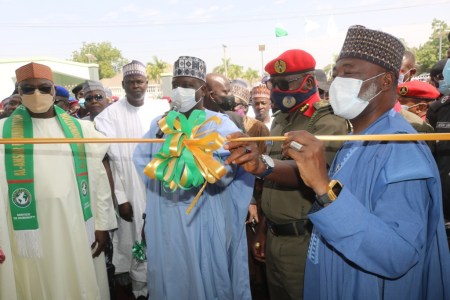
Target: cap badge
pixel 403 90
pixel 280 66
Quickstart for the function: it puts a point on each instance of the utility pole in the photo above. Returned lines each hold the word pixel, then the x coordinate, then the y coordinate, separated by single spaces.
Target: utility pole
pixel 225 60
pixel 262 48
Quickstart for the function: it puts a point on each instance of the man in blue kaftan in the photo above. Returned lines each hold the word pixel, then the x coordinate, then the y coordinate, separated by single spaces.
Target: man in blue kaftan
pixel 383 236
pixel 378 224
pixel 201 255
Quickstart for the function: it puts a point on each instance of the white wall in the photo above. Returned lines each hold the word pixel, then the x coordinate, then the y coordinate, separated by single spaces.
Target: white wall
pixel 64 72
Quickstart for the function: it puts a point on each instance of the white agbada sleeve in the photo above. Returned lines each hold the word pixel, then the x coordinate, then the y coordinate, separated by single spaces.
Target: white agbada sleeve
pixel 104 214
pixel 103 123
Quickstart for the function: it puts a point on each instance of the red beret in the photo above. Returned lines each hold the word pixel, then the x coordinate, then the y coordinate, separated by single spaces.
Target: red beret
pixel 418 90
pixel 291 62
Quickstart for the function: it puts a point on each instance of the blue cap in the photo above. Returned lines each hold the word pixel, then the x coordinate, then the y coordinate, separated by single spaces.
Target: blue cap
pixel 61 91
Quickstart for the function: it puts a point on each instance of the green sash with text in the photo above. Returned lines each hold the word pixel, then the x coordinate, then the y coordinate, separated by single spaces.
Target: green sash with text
pixel 19 163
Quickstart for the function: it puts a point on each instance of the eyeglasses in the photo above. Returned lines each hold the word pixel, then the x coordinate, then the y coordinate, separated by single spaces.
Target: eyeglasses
pixel 97 97
pixel 281 83
pixel 28 89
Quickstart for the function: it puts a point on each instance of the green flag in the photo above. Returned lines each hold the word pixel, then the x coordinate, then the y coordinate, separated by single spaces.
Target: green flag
pixel 280 31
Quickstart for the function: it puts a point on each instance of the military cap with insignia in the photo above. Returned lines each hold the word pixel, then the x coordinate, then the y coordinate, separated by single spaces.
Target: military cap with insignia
pixel 417 90
pixel 291 62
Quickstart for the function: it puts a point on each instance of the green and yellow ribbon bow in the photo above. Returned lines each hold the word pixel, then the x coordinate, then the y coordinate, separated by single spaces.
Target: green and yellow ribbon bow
pixel 186 157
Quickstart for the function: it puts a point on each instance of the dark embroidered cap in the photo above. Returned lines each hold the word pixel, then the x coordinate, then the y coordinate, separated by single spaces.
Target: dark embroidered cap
pixel 189 66
pixel 373 46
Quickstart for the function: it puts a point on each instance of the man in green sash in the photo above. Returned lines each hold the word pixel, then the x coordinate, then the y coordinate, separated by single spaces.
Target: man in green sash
pixel 55 205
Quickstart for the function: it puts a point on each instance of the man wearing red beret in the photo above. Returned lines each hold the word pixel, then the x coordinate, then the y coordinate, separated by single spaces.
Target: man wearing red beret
pixel 284 232
pixel 415 96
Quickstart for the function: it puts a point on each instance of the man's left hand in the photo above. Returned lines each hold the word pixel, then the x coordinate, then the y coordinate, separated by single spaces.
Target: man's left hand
pixel 101 238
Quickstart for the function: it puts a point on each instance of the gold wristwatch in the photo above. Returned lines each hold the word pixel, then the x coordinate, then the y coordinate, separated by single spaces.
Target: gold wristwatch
pixel 334 188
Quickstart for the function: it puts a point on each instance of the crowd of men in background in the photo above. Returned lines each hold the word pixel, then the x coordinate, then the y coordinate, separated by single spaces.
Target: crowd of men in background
pixel 211 253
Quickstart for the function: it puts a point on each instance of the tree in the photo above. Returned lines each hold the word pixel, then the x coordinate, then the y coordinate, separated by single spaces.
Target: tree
pixel 233 71
pixel 221 68
pixel 251 75
pixel 108 58
pixel 428 54
pixel 155 68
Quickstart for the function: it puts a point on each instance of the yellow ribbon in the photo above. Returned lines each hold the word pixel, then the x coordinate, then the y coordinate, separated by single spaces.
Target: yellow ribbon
pixel 186 157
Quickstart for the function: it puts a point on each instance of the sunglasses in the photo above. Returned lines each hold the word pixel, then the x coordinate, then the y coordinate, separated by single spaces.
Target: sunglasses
pixel 281 83
pixel 97 97
pixel 28 90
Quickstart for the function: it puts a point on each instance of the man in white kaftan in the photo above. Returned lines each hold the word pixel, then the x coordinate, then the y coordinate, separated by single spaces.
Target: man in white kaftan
pixel 65 268
pixel 130 117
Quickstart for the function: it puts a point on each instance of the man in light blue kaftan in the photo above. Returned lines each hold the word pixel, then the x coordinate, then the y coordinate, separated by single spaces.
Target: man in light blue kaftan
pixel 201 255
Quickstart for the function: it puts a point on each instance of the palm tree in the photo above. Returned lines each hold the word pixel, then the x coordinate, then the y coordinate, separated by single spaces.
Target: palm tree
pixel 221 68
pixel 251 75
pixel 155 68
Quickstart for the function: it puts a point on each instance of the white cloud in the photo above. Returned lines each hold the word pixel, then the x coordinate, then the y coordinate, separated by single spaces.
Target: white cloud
pixel 311 25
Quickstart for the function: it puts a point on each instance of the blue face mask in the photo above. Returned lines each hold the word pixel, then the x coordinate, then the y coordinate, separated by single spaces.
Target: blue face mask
pixel 444 88
pixel 288 100
pixel 446 73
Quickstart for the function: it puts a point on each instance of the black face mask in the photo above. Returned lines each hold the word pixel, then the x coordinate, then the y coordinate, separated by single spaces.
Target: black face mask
pixel 226 103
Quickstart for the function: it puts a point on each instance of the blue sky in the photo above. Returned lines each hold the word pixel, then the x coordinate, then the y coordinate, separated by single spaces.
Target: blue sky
pixel 170 28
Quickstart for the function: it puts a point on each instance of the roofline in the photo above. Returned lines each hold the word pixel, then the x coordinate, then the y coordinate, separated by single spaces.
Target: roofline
pixel 45 58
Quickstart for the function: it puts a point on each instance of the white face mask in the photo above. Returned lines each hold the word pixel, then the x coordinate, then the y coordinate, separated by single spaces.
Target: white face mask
pixel 401 77
pixel 184 98
pixel 37 102
pixel 344 96
pixel 406 107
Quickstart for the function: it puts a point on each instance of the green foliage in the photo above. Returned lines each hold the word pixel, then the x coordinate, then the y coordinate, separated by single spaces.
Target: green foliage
pixel 428 54
pixel 251 75
pixel 155 68
pixel 221 68
pixel 236 71
pixel 108 58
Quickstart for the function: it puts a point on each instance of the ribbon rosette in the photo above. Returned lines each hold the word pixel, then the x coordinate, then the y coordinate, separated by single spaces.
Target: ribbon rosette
pixel 139 251
pixel 185 159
